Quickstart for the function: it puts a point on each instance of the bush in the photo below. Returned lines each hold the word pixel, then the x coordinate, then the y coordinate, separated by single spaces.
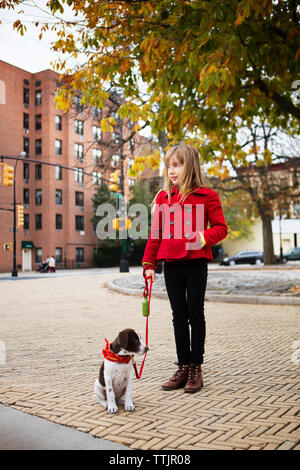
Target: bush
pixel 109 253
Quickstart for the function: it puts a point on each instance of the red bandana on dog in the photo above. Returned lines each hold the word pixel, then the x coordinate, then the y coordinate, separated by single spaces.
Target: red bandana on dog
pixel 111 356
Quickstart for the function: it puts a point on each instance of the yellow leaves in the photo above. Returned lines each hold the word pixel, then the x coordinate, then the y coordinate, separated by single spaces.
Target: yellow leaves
pixel 152 161
pixel 106 124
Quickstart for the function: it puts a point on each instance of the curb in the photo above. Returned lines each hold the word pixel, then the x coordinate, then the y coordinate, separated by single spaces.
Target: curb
pixel 240 299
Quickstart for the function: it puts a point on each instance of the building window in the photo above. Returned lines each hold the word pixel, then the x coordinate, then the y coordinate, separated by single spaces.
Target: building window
pixel 26 145
pixel 79 255
pixel 38 197
pixel 78 151
pixel 296 209
pixel 58 255
pixel 78 105
pixel 26 96
pixel 38 122
pixel 97 178
pixel 58 172
pixel 38 83
pixel 58 147
pixel 38 97
pixel 79 175
pixel 26 222
pixel 38 172
pixel 38 221
pixel 78 127
pixel 58 222
pixel 115 160
pixel 26 196
pixel 58 197
pixel 38 255
pixel 130 162
pixel 79 222
pixel 131 145
pixel 79 201
pixel 26 171
pixel 97 154
pixel 96 133
pixel 58 122
pixel 97 113
pixel 131 182
pixel 25 81
pixel 38 146
pixel 26 122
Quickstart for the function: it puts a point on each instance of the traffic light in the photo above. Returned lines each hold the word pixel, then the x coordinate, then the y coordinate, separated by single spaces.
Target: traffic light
pixel 114 178
pixel 8 179
pixel 7 246
pixel 116 223
pixel 20 213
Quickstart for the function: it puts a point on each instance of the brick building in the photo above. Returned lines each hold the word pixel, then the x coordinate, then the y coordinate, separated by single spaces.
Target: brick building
pixel 57 202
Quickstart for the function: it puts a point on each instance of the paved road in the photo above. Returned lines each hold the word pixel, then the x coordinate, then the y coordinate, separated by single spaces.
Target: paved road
pixel 54 332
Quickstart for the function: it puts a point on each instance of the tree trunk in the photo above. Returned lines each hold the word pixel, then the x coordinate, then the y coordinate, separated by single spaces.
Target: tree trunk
pixel 269 257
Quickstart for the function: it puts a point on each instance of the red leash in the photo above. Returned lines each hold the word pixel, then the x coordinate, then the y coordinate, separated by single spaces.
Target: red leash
pixel 139 374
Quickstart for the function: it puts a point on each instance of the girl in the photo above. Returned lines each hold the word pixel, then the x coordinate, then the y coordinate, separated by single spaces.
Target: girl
pixel 179 236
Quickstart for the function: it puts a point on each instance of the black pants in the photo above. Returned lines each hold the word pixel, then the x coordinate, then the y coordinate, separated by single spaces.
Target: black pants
pixel 186 284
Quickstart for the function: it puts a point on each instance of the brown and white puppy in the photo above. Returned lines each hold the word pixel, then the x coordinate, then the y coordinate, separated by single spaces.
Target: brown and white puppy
pixel 115 379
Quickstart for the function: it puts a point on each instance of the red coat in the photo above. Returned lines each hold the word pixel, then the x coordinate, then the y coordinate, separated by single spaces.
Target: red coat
pixel 175 226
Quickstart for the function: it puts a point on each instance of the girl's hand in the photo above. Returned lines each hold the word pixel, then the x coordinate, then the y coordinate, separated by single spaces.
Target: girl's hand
pixel 151 272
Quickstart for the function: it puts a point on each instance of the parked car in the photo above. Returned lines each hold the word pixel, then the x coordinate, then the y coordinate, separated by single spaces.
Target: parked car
pixel 244 257
pixel 292 255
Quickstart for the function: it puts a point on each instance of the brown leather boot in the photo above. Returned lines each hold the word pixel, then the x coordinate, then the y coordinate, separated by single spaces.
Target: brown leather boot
pixel 178 380
pixel 195 379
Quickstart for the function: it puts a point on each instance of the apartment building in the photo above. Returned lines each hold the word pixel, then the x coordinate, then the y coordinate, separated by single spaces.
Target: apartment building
pixel 57 202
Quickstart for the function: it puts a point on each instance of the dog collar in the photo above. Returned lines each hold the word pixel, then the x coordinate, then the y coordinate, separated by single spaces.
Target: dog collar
pixel 111 356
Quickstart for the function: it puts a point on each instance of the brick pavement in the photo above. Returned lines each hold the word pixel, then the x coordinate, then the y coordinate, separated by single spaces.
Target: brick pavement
pixel 54 330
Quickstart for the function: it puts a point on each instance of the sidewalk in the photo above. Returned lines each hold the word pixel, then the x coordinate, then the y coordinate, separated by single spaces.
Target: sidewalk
pixel 54 332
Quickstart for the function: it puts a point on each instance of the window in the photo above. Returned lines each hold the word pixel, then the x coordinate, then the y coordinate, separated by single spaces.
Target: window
pixel 79 255
pixel 26 222
pixel 26 196
pixel 131 182
pixel 58 123
pixel 38 255
pixel 58 255
pixel 26 145
pixel 296 209
pixel 38 197
pixel 115 160
pixel 26 171
pixel 79 175
pixel 79 222
pixel 96 133
pixel 78 105
pixel 58 172
pixel 38 122
pixel 38 97
pixel 26 121
pixel 130 162
pixel 25 81
pixel 58 197
pixel 97 177
pixel 38 172
pixel 97 154
pixel 78 127
pixel 38 146
pixel 38 83
pixel 38 221
pixel 58 222
pixel 97 113
pixel 79 199
pixel 131 145
pixel 26 96
pixel 78 150
pixel 58 147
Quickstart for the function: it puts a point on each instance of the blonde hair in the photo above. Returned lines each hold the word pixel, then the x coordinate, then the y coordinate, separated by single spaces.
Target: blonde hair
pixel 190 176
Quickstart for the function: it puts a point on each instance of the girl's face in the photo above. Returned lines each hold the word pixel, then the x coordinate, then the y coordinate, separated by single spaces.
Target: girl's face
pixel 174 169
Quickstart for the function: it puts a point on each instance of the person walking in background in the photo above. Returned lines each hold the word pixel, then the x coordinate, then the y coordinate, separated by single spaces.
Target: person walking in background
pixel 52 267
pixel 182 239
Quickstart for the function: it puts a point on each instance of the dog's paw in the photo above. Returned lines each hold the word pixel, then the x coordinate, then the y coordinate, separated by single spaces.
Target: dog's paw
pixel 112 408
pixel 129 406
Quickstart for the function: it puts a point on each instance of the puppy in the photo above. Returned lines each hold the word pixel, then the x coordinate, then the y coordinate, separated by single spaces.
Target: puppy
pixel 115 377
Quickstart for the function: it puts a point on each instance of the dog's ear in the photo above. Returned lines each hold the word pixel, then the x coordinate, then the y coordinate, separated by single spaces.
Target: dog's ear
pixel 123 339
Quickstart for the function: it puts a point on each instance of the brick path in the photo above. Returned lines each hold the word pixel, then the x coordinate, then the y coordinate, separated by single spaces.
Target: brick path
pixel 250 398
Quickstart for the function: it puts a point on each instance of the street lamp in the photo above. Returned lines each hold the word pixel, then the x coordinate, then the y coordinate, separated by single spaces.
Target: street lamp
pixel 14 271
